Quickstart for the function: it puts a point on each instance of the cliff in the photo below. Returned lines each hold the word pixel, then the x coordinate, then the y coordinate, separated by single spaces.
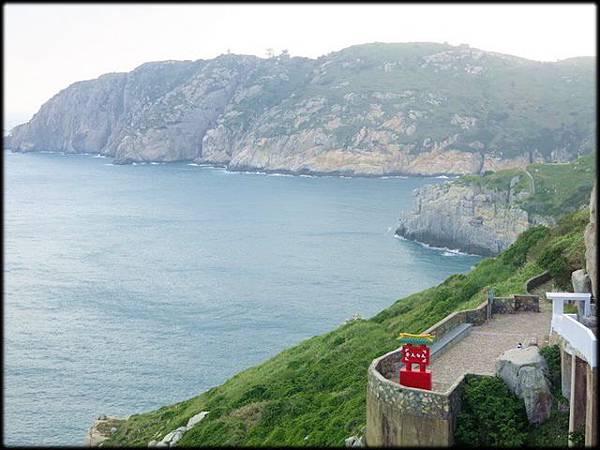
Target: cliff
pixel 470 218
pixel 485 215
pixel 373 109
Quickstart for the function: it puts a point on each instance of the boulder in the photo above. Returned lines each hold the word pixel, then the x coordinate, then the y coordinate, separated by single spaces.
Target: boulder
pixel 195 419
pixel 177 434
pixel 581 281
pixel 524 372
pixel 152 443
pixel 354 441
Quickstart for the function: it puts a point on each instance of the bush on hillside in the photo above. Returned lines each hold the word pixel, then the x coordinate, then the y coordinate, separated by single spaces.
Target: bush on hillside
pixel 552 356
pixel 491 415
pixel 566 253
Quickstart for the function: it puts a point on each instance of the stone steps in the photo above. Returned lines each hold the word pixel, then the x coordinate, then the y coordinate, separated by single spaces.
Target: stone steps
pixel 449 338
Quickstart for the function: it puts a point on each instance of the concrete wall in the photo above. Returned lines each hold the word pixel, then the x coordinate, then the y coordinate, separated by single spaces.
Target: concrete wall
pixel 475 316
pixel 579 385
pixel 402 416
pixel 536 281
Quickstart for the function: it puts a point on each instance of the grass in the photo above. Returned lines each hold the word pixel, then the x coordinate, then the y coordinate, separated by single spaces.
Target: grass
pixel 315 392
pixel 559 188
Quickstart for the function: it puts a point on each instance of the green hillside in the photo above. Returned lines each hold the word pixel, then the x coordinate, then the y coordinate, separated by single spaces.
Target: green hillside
pixel 518 106
pixel 314 393
pixel 556 188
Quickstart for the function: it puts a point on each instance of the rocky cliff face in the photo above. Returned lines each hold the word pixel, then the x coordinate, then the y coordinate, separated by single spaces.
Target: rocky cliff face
pixel 466 217
pixel 591 245
pixel 484 214
pixel 375 109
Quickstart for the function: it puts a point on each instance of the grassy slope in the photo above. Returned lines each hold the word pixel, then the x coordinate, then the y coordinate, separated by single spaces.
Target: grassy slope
pixel 559 188
pixel 314 392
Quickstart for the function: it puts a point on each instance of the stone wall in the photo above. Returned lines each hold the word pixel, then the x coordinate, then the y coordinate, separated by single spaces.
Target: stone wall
pixel 536 281
pixel 446 324
pixel 503 305
pixel 516 303
pixel 527 303
pixel 402 416
pixel 476 316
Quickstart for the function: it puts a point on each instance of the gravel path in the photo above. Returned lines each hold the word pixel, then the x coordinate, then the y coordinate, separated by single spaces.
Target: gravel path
pixel 477 352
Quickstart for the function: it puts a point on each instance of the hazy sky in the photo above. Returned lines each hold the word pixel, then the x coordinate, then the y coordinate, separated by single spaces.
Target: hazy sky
pixel 48 47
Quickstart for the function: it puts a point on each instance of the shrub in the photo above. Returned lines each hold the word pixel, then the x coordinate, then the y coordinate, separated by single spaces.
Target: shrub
pixel 516 254
pixel 491 415
pixel 562 257
pixel 552 356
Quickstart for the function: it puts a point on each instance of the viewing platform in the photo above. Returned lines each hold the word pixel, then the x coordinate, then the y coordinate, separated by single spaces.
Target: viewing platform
pixel 466 342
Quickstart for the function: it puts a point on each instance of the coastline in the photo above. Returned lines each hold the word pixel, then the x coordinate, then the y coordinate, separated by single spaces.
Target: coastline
pixel 256 170
pixel 102 428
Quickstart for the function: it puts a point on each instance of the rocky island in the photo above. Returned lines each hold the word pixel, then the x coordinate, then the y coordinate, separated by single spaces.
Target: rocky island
pixel 369 110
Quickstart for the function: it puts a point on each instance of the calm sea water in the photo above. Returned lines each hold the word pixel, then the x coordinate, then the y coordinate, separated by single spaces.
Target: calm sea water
pixel 131 287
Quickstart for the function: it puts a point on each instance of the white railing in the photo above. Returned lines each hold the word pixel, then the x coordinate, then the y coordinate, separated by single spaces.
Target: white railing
pixel 579 337
pixel 559 299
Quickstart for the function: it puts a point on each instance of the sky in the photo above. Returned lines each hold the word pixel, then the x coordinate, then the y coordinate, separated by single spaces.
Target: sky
pixel 48 47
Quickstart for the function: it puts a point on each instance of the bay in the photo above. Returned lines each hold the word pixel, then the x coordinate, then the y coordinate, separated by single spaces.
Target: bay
pixel 127 288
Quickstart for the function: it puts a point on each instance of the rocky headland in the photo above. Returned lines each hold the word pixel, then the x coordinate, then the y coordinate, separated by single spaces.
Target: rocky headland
pixel 371 110
pixel 485 214
pixel 468 218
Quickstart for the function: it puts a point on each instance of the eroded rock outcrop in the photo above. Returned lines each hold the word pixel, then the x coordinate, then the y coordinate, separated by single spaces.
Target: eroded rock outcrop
pixel 466 217
pixel 171 438
pixel 102 428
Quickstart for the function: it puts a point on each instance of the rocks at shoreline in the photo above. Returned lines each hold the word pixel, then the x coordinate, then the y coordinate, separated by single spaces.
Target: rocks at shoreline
pixel 465 217
pixel 102 428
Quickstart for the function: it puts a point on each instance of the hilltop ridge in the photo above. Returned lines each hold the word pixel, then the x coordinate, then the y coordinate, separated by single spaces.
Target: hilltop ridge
pixel 371 109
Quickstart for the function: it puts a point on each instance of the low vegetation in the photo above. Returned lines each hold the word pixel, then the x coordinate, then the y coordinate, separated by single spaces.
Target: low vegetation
pixel 491 415
pixel 315 392
pixel 548 190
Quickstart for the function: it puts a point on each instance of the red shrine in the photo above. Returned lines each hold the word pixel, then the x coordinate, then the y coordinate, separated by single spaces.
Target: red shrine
pixel 415 353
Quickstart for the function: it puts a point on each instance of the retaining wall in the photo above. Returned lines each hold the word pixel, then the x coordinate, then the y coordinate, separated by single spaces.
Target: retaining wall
pixel 399 415
pixel 536 281
pixel 516 303
pixel 476 316
pixel 402 416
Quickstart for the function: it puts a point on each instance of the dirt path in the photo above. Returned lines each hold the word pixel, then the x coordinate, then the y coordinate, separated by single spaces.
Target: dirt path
pixel 532 182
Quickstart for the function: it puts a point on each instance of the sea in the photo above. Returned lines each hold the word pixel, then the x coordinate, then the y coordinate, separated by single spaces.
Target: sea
pixel 131 287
